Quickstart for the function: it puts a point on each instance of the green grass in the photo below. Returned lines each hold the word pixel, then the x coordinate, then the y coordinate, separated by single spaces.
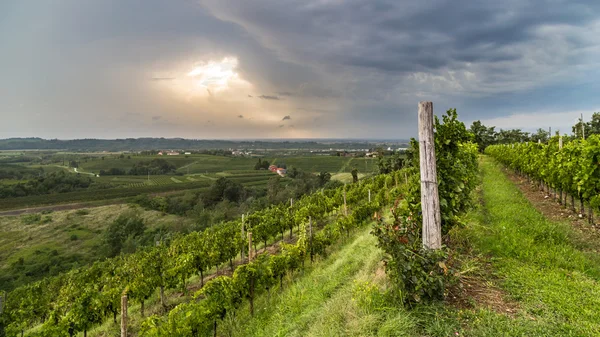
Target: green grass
pixel 543 268
pixel 340 295
pixel 32 238
pixel 541 264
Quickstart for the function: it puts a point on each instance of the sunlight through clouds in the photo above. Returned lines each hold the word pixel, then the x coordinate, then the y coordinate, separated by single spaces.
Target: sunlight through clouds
pixel 215 74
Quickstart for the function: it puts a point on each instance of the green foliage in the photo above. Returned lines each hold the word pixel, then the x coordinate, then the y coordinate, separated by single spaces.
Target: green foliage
pixel 128 226
pixel 84 297
pixel 421 274
pixel 154 167
pixel 55 182
pixel 573 169
pixel 483 136
pixel 262 165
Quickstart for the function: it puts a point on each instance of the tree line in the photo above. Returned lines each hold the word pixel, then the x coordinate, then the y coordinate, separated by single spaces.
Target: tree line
pixel 487 135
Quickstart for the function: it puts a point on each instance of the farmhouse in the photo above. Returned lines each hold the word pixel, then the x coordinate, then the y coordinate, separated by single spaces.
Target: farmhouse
pixel 172 153
pixel 281 172
pixel 273 168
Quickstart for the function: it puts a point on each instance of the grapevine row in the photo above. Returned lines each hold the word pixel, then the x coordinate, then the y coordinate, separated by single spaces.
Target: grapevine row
pixel 571 169
pixel 78 300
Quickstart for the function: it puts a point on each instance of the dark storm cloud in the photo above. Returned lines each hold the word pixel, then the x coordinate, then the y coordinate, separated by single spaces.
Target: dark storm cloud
pixel 286 118
pixel 359 66
pixel 385 41
pixel 273 98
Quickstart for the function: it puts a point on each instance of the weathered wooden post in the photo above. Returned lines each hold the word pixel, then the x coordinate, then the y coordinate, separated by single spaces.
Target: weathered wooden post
pixel 124 316
pixel 430 199
pixel 369 195
pixel 345 207
pixel 249 246
pixel 560 143
pixel 2 300
pixel 310 232
pixel 242 247
pixel 582 128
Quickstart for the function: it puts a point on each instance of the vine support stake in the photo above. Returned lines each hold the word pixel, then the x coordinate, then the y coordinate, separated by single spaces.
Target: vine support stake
pixel 345 207
pixel 2 300
pixel 242 248
pixel 311 238
pixel 430 199
pixel 124 316
pixel 249 246
pixel 560 143
pixel 369 195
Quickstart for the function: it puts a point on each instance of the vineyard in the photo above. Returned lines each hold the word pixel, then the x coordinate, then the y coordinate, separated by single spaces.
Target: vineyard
pixel 80 299
pixel 569 169
pixel 85 297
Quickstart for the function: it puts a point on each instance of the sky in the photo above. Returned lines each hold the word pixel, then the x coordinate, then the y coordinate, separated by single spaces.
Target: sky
pixel 219 69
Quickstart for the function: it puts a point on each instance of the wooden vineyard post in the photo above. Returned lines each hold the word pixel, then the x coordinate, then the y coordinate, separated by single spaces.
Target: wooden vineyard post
pixel 430 199
pixel 560 143
pixel 124 316
pixel 242 248
pixel 369 195
pixel 345 207
pixel 310 233
pixel 2 300
pixel 582 128
pixel 249 246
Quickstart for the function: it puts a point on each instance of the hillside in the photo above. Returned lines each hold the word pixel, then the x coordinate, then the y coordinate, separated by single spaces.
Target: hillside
pixel 522 274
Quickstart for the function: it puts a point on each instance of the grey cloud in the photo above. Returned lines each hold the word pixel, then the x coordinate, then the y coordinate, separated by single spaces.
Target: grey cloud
pixel 156 118
pixel 240 116
pixel 274 98
pixel 359 65
pixel 281 125
pixel 391 40
pixel 288 117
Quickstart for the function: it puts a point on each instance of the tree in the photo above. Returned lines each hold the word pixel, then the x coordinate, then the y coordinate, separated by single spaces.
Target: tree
pixel 540 135
pixel 261 165
pixel 324 178
pixel 126 226
pixel 591 128
pixel 512 136
pixel 484 136
pixel 354 175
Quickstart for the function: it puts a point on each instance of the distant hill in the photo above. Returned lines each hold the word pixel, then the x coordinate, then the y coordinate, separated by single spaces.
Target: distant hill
pixel 138 144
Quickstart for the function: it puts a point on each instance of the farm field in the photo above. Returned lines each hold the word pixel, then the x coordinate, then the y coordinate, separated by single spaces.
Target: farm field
pixel 331 164
pixel 194 172
pixel 50 242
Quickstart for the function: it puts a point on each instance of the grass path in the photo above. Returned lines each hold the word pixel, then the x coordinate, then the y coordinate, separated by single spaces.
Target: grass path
pixel 539 262
pixel 321 302
pixel 343 168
